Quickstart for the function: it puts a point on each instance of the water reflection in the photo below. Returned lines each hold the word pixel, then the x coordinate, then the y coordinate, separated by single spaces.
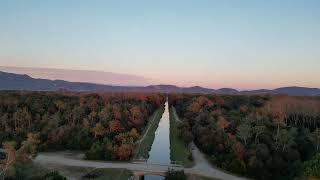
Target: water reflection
pixel 160 150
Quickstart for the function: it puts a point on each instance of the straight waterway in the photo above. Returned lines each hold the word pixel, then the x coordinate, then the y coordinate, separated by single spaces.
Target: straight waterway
pixel 160 150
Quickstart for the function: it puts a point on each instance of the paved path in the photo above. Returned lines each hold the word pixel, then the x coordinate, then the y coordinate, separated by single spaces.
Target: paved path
pixel 204 168
pixel 74 159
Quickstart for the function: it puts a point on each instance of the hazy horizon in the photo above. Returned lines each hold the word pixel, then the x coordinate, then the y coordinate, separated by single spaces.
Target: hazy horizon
pixel 101 77
pixel 238 44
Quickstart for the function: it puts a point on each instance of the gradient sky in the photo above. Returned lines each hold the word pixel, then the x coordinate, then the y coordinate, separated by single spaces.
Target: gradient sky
pixel 243 44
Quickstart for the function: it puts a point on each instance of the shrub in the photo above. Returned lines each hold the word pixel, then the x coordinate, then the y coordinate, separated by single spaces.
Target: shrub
pixel 312 167
pixel 175 175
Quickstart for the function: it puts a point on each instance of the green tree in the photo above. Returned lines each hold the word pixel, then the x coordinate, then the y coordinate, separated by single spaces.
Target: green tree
pixel 30 145
pixel 285 139
pixel 175 175
pixel 244 132
pixel 257 131
pixel 315 138
pixel 312 167
pixel 96 152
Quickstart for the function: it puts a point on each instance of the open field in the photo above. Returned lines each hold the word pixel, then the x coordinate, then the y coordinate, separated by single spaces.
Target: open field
pixel 179 152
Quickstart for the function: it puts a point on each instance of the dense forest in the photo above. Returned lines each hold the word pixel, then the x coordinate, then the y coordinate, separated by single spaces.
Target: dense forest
pixel 263 137
pixel 105 125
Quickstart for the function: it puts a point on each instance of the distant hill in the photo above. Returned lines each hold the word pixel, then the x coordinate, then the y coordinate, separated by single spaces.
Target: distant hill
pixel 226 91
pixel 11 81
pixel 96 77
pixel 296 91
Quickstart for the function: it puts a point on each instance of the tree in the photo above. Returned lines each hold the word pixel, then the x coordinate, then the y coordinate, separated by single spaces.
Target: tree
pixel 257 131
pixel 54 175
pixel 238 151
pixel 315 138
pixel 187 137
pixel 135 116
pixel 7 165
pixel 29 147
pixel 244 132
pixel 175 175
pixel 98 130
pixel 22 119
pixel 312 167
pixel 125 151
pixel 104 114
pixel 285 139
pixel 115 126
pixel 96 152
pixel 22 155
pixel 116 109
pixel 60 105
pixel 222 123
pixel 134 134
pixel 73 121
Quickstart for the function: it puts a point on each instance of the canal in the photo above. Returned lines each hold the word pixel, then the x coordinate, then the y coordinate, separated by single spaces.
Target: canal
pixel 160 150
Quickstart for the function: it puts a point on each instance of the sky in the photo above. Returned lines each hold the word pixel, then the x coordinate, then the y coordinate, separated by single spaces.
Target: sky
pixel 243 44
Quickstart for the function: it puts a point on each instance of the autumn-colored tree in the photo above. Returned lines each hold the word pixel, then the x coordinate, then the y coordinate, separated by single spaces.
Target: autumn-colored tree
pixel 60 105
pixel 134 134
pixel 198 103
pixel 125 151
pixel 277 108
pixel 30 146
pixel 66 120
pixel 115 126
pixel 239 151
pixel 92 116
pixel 135 116
pixel 21 117
pixel 116 109
pixel 7 165
pixel 222 123
pixel 22 155
pixel 216 112
pixel 244 109
pixel 98 130
pixel 194 107
pixel 104 114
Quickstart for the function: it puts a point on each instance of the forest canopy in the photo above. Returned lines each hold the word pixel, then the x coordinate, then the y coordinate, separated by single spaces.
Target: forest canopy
pixel 105 125
pixel 263 137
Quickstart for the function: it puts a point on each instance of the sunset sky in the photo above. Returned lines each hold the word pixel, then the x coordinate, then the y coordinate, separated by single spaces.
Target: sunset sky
pixel 244 44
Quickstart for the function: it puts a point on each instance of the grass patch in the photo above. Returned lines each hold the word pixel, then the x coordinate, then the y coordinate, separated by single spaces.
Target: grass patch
pixel 178 150
pixel 29 171
pixel 144 144
pixel 113 174
pixel 72 172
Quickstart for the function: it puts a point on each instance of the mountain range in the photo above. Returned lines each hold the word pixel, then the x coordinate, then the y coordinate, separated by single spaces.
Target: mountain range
pixel 11 81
